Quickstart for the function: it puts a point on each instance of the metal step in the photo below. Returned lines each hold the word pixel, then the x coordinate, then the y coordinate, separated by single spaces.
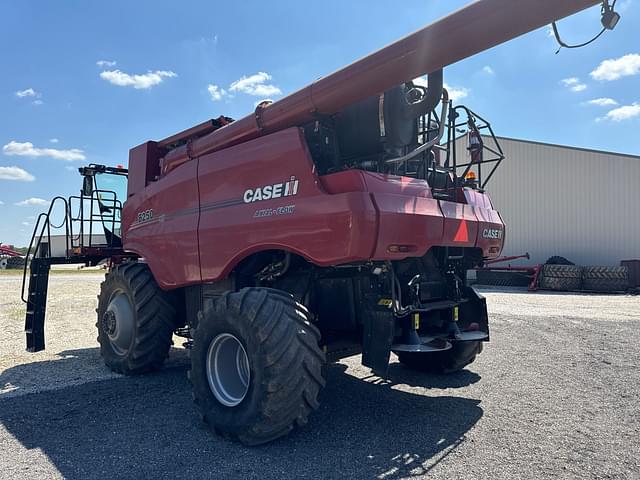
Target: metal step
pixel 439 305
pixel 36 304
pixel 472 336
pixel 432 345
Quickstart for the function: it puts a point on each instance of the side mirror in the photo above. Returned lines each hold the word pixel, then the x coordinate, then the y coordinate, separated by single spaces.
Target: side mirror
pixel 87 186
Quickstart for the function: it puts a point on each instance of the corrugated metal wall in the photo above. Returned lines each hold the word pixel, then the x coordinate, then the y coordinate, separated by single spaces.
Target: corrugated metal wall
pixel 580 204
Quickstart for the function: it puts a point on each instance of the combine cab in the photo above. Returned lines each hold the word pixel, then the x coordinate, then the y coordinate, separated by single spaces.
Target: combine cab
pixel 339 220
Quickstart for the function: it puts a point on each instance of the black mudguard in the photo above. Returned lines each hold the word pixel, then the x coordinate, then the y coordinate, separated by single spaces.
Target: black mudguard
pixel 378 334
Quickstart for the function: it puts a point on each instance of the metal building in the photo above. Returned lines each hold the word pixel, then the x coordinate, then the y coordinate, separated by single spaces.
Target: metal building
pixel 558 200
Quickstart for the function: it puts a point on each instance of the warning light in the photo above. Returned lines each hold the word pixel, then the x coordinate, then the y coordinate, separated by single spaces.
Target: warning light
pixel 119 166
pixel 470 179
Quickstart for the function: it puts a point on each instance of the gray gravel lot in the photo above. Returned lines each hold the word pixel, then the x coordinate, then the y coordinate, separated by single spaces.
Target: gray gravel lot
pixel 554 395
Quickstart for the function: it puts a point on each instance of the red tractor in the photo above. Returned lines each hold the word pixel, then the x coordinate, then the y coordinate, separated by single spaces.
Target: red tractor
pixel 333 222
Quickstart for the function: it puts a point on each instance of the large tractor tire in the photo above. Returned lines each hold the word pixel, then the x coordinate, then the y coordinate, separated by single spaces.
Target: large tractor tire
pixel 15 262
pixel 448 361
pixel 136 320
pixel 605 279
pixel 561 277
pixel 256 367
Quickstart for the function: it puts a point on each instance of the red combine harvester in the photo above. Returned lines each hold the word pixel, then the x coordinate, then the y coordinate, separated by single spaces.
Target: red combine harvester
pixel 333 222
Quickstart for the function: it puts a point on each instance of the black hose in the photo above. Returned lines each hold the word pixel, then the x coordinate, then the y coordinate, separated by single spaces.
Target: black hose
pixel 605 8
pixel 431 98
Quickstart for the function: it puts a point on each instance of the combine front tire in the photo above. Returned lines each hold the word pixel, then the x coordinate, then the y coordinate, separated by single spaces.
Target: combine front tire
pixel 447 361
pixel 256 368
pixel 136 320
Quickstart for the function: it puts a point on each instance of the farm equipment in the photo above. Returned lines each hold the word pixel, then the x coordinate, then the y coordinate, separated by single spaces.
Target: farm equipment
pixel 10 258
pixel 333 222
pixel 510 275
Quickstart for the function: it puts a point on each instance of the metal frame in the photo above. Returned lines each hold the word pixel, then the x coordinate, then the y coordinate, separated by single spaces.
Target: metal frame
pixel 76 248
pixel 472 123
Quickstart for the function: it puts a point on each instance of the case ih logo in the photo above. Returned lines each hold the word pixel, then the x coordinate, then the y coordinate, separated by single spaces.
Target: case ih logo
pixel 277 190
pixel 494 233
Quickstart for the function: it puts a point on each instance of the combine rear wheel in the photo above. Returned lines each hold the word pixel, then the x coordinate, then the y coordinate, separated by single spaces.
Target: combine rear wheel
pixel 447 361
pixel 256 368
pixel 136 320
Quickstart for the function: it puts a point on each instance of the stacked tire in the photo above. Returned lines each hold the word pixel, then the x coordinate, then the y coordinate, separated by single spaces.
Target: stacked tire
pixel 561 277
pixel 605 279
pixel 15 262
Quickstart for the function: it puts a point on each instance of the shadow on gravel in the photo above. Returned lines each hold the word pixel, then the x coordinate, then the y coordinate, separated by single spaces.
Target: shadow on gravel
pixel 70 367
pixel 398 374
pixel 146 427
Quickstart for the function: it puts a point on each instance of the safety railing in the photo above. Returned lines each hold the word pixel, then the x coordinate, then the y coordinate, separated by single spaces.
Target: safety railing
pixel 80 233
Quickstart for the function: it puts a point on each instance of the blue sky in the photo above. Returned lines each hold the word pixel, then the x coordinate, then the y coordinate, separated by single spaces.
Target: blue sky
pixel 163 69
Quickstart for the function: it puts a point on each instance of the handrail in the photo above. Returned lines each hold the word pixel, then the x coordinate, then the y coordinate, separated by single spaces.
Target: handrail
pixel 46 224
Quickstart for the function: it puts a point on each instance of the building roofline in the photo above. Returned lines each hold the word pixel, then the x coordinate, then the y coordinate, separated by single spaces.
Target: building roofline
pixel 569 147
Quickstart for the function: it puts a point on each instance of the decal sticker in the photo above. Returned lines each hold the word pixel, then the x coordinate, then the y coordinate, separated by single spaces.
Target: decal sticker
pixel 269 192
pixel 270 212
pixel 145 216
pixel 494 233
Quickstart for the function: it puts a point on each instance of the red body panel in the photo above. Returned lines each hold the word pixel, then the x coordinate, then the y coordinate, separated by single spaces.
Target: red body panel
pixel 203 221
pixel 167 239
pixel 325 229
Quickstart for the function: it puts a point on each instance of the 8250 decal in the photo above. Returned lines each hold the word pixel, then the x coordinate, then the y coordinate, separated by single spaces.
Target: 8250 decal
pixel 145 216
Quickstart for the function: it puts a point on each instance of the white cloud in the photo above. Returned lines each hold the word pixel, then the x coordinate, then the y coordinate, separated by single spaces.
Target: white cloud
pixel 255 85
pixel 613 69
pixel 571 81
pixel 1 202
pixel 31 202
pixel 143 81
pixel 26 224
pixel 574 84
pixel 625 112
pixel 216 92
pixel 488 70
pixel 455 93
pixel 37 102
pixel 602 102
pixel 106 63
pixel 54 140
pixel 29 92
pixel 15 173
pixel 26 149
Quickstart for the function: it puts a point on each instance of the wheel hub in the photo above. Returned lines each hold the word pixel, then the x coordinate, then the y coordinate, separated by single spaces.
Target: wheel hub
pixel 118 322
pixel 109 322
pixel 228 371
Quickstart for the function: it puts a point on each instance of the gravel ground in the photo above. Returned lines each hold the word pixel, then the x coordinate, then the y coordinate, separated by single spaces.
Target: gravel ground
pixel 554 395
